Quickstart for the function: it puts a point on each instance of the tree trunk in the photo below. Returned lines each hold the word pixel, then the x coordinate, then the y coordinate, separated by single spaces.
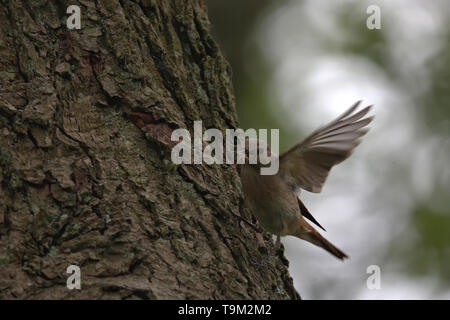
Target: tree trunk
pixel 86 176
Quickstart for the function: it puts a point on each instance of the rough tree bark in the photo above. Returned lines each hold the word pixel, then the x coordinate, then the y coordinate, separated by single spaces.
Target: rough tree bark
pixel 85 171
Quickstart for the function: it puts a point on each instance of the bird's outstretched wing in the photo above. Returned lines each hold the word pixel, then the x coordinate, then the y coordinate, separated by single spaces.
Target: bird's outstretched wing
pixel 307 164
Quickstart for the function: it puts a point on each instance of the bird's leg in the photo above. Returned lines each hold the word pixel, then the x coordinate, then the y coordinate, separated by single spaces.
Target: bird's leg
pixel 278 242
pixel 259 235
pixel 251 225
pixel 260 239
pixel 277 246
pixel 258 230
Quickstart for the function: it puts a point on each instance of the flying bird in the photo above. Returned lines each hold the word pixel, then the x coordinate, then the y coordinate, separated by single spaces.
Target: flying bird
pixel 274 199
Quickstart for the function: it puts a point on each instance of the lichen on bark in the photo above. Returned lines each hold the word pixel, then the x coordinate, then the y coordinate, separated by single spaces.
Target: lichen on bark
pixel 85 170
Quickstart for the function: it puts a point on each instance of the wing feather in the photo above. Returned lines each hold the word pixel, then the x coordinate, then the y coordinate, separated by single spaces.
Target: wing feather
pixel 308 164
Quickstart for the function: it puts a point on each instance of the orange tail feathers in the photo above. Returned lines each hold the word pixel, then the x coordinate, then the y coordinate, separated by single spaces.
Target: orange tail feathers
pixel 308 233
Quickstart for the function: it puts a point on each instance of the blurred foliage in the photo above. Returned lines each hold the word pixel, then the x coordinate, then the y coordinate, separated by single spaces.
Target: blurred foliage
pixel 430 252
pixel 234 23
pixel 359 41
pixel 436 103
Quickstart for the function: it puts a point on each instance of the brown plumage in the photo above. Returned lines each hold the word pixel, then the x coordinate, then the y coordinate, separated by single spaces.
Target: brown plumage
pixel 274 198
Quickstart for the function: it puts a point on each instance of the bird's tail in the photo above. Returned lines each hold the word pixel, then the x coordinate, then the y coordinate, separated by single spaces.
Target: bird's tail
pixel 308 233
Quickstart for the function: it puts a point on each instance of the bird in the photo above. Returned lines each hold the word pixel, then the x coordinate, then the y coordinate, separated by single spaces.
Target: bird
pixel 275 199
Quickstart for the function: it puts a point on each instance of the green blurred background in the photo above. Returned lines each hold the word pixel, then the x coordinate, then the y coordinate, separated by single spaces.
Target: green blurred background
pixel 298 64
